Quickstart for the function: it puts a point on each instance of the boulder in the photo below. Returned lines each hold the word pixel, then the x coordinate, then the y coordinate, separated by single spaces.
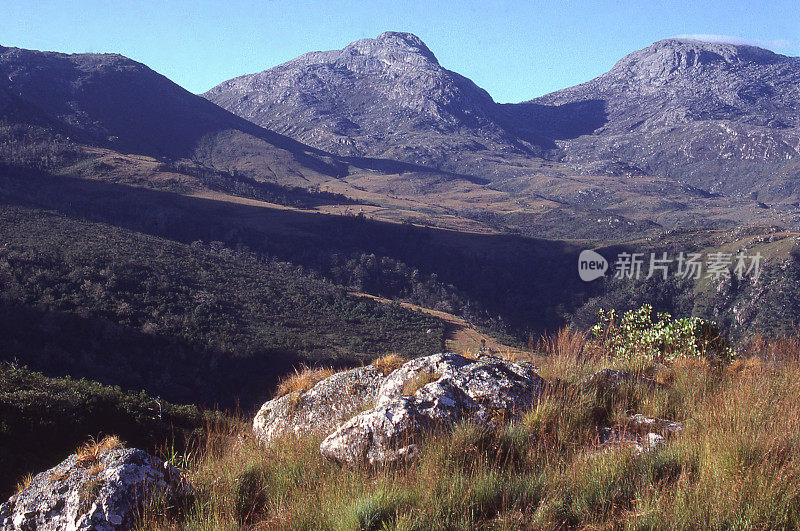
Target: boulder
pixel 320 409
pixel 99 492
pixel 640 433
pixel 433 392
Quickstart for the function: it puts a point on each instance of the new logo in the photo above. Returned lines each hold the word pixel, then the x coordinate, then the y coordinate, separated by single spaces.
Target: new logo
pixel 591 265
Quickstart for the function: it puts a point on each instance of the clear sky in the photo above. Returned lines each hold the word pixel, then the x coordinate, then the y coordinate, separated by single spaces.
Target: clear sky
pixel 515 49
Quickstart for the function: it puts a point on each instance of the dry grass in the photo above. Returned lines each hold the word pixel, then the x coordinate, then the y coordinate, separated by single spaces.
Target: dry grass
pixel 419 381
pixel 390 362
pixel 568 342
pixel 24 483
pixel 736 464
pixel 91 452
pixel 786 347
pixel 303 379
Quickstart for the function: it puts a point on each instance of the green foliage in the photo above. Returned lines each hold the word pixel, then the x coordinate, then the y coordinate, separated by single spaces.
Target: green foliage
pixel 640 335
pixel 42 420
pixel 193 323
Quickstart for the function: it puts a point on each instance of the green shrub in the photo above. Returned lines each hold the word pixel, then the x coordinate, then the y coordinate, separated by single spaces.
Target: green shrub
pixel 638 335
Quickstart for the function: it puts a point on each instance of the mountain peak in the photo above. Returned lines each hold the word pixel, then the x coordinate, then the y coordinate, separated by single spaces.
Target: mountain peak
pixel 394 44
pixel 668 56
pixel 399 38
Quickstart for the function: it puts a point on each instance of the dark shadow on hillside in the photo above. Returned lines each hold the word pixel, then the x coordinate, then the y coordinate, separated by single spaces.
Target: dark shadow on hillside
pixel 559 122
pixel 61 344
pixel 530 283
pixel 394 166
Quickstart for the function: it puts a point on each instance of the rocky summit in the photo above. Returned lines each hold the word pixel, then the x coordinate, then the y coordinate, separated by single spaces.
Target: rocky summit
pixel 719 116
pixel 386 97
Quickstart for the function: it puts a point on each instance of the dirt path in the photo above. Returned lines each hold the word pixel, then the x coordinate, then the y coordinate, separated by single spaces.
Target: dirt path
pixel 460 336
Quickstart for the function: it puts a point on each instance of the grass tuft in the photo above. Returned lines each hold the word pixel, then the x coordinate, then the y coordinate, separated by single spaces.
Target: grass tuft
pixel 419 381
pixel 24 483
pixel 390 362
pixel 303 379
pixel 91 452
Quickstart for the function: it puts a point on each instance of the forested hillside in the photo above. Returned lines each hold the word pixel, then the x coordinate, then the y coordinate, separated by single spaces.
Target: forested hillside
pixel 190 322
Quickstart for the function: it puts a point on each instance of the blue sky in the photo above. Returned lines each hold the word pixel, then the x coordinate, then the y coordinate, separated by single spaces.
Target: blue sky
pixel 515 49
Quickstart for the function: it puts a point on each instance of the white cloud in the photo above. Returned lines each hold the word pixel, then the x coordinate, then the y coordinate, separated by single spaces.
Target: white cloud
pixel 778 45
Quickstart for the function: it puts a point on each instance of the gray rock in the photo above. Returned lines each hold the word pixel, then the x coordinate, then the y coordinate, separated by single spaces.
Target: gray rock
pixel 639 433
pixel 640 424
pixel 321 409
pixel 102 494
pixel 433 392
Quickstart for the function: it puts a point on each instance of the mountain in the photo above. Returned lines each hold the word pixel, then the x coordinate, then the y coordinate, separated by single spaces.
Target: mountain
pixel 386 97
pixel 720 117
pixel 679 134
pixel 723 117
pixel 111 101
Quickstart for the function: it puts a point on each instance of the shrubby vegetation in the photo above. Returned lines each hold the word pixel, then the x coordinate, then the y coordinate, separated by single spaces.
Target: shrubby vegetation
pixel 193 323
pixel 645 335
pixel 43 419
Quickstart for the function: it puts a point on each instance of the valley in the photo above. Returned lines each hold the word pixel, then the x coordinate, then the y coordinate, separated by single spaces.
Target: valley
pixel 320 232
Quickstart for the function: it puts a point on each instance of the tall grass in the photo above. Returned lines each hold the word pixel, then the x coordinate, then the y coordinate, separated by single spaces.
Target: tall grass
pixel 735 465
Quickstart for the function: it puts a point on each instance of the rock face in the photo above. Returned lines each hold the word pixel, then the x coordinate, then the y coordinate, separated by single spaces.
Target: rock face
pixel 100 494
pixel 431 392
pixel 321 409
pixel 722 117
pixel 384 97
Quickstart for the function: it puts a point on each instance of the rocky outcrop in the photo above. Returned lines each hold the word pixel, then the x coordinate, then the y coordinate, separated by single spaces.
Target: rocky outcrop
pixel 98 492
pixel 427 393
pixel 433 392
pixel 370 418
pixel 639 433
pixel 321 409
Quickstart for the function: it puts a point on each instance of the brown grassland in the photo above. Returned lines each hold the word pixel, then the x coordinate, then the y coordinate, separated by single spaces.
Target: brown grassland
pixel 735 464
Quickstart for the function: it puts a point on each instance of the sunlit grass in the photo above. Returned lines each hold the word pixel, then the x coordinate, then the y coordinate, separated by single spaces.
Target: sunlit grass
pixel 735 465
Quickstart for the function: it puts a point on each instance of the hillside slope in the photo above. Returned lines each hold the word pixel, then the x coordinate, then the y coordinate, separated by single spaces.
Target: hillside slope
pixel 723 117
pixel 192 323
pixel 111 101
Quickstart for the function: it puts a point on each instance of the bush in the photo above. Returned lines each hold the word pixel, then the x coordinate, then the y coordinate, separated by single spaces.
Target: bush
pixel 640 336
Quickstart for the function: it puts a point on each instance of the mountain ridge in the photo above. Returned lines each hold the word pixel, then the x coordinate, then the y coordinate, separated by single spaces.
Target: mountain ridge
pixel 682 109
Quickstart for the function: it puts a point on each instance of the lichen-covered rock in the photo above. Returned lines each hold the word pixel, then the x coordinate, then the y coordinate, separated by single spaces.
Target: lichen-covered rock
pixel 98 494
pixel 640 433
pixel 321 409
pixel 433 392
